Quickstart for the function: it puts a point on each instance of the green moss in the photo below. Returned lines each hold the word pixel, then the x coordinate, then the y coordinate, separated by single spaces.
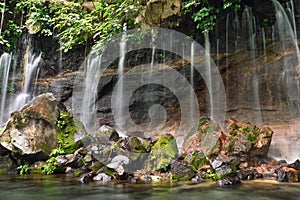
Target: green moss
pixel 139 146
pixel 66 131
pixel 97 166
pixel 163 151
pixel 109 171
pixel 77 173
pixel 46 147
pixel 179 178
pixel 3 171
pixel 36 171
pixel 196 160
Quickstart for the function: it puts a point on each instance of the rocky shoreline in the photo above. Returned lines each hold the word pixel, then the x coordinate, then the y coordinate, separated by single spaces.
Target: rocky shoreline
pixel 43 137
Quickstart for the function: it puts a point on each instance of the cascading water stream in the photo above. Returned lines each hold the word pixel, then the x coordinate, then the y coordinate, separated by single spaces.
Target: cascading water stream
pixel 31 62
pixel 209 74
pixel 120 95
pixel 287 37
pixel 5 61
pixel 291 14
pixel 87 107
pixel 192 79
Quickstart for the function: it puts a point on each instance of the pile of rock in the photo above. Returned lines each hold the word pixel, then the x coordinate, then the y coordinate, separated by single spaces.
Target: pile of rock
pixel 44 138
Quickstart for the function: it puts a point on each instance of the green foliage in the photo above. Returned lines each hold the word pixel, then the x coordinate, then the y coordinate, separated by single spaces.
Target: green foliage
pixel 204 13
pixel 66 130
pixel 211 175
pixel 197 160
pixel 10 36
pixel 50 166
pixel 23 169
pixel 69 21
pixel 66 145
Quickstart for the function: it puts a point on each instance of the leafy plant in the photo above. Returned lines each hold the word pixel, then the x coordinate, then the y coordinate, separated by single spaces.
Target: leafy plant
pixel 68 21
pixel 50 166
pixel 66 144
pixel 23 168
pixel 204 13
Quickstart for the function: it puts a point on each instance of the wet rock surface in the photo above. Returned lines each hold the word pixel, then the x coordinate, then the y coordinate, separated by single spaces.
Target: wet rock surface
pixel 32 130
pixel 209 153
pixel 40 127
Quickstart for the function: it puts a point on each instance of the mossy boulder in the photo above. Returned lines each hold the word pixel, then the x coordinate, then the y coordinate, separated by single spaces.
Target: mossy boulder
pixel 206 139
pixel 181 170
pixel 247 140
pixel 163 152
pixel 39 127
pixel 196 160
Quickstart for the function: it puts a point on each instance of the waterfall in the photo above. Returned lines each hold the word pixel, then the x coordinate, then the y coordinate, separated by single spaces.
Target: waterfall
pixel 31 62
pixel 264 41
pixel 249 27
pixel 287 37
pixel 291 14
pixel 192 79
pixel 120 95
pixel 86 106
pixel 5 61
pixel 209 75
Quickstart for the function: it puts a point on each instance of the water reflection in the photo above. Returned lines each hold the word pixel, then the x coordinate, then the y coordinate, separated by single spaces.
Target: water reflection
pixel 39 187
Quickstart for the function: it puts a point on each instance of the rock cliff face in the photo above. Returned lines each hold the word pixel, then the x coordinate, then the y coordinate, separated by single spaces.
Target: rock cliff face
pixel 240 70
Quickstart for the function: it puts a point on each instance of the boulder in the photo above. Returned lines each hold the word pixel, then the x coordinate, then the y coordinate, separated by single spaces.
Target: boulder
pixel 163 152
pixel 40 126
pixel 248 141
pixel 287 174
pixel 245 145
pixel 206 139
pixel 181 170
pixel 161 13
pixel 7 165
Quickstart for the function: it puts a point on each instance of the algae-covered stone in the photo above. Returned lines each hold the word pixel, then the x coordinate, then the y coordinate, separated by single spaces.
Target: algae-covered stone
pixel 196 160
pixel 33 129
pixel 181 170
pixel 41 126
pixel 163 152
pixel 247 140
pixel 139 145
pixel 206 139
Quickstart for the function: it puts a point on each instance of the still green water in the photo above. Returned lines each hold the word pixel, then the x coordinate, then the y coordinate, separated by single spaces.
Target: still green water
pixel 37 187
